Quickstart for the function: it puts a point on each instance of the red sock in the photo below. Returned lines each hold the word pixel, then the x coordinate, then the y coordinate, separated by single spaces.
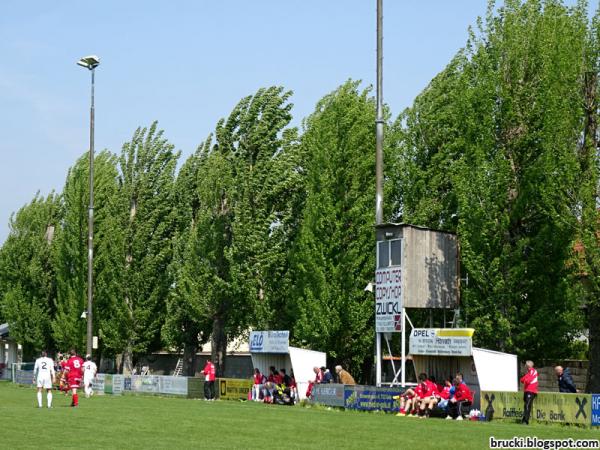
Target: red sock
pixel 75 399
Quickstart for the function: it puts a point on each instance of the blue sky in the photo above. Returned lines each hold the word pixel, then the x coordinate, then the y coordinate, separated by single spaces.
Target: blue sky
pixel 187 63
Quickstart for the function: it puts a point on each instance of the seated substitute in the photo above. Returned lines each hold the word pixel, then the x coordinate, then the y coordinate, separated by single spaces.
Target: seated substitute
pixel 444 394
pixel 406 401
pixel 428 397
pixel 462 397
pixel 410 399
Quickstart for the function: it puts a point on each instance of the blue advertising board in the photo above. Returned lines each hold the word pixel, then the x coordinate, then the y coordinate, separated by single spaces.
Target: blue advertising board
pixel 595 409
pixel 371 398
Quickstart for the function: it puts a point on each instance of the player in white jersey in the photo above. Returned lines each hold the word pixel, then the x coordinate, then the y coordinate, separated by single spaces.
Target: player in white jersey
pixel 89 373
pixel 44 376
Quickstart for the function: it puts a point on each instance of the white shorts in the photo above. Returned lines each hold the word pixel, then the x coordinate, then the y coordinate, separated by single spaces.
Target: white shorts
pixel 44 382
pixel 87 381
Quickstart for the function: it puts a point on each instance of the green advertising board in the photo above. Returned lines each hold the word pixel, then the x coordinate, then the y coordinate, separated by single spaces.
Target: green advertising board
pixel 108 384
pixel 195 388
pixel 547 407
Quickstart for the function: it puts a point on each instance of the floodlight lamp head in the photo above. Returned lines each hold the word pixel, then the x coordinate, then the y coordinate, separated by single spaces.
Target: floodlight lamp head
pixel 89 62
pixel 369 287
pixel 84 315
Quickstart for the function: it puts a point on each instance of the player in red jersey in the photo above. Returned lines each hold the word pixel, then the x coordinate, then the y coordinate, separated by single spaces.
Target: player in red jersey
pixel 61 374
pixel 74 374
pixel 428 396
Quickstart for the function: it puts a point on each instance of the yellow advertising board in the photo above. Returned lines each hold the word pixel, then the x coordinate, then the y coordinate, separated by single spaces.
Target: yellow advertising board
pixel 234 389
pixel 547 407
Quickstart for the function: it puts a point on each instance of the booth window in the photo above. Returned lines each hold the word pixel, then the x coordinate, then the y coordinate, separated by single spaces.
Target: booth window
pixel 389 253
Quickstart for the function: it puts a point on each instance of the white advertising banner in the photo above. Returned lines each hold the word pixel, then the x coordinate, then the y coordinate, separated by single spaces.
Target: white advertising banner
pixel 118 384
pixel 98 384
pixel 442 342
pixel 269 341
pixel 145 383
pixel 388 300
pixel 173 385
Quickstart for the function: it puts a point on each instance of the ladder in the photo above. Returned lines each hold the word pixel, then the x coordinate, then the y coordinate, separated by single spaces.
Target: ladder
pixel 178 368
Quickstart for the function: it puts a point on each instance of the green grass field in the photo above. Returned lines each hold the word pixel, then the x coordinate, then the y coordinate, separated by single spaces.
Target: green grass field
pixel 157 422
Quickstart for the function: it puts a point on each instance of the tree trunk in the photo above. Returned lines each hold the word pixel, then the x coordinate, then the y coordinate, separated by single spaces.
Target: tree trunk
pixel 589 219
pixel 127 367
pixel 593 378
pixel 190 358
pixel 219 346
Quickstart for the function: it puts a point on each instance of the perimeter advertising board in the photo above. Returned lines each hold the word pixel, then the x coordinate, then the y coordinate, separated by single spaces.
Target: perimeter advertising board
pixel 269 341
pixel 234 389
pixel 547 407
pixel 371 398
pixel 195 388
pixel 388 300
pixel 328 394
pixel 145 383
pixel 113 384
pixel 118 384
pixel 98 383
pixel 595 410
pixel 441 341
pixel 173 385
pixel 108 384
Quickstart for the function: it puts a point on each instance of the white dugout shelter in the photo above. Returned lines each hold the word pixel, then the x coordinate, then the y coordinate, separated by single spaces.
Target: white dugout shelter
pixel 271 348
pixel 446 351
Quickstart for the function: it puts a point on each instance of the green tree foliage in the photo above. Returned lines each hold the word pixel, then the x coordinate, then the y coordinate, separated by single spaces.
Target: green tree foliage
pixel 488 150
pixel 589 202
pixel 69 330
pixel 27 274
pixel 231 256
pixel 137 248
pixel 334 255
pixel 187 326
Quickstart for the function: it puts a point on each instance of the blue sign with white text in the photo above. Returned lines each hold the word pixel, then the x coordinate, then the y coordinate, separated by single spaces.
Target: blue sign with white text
pixel 596 409
pixel 370 398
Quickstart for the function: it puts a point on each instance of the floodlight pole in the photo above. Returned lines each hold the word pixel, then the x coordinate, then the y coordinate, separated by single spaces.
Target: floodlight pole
pixel 379 119
pixel 90 63
pixel 90 331
pixel 379 161
pixel 90 258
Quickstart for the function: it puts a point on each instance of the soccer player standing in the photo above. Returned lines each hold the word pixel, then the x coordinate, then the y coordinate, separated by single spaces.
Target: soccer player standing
pixel 89 373
pixel 44 375
pixel 73 371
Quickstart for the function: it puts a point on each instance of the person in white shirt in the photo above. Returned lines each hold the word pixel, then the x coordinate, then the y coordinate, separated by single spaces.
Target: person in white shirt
pixel 89 373
pixel 44 376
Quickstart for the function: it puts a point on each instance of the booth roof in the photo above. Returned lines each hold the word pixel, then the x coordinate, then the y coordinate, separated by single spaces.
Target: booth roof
pixel 419 227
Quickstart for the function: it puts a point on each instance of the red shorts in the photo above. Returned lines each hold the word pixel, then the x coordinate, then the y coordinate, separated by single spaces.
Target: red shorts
pixel 74 383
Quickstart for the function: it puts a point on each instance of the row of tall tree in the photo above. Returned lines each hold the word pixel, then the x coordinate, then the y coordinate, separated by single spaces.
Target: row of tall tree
pixel 271 227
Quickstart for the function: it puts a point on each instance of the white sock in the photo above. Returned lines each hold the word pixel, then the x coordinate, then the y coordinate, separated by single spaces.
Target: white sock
pixel 49 397
pixel 39 399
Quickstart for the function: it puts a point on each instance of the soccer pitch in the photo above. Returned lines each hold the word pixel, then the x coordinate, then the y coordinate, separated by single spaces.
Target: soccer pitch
pixel 157 422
